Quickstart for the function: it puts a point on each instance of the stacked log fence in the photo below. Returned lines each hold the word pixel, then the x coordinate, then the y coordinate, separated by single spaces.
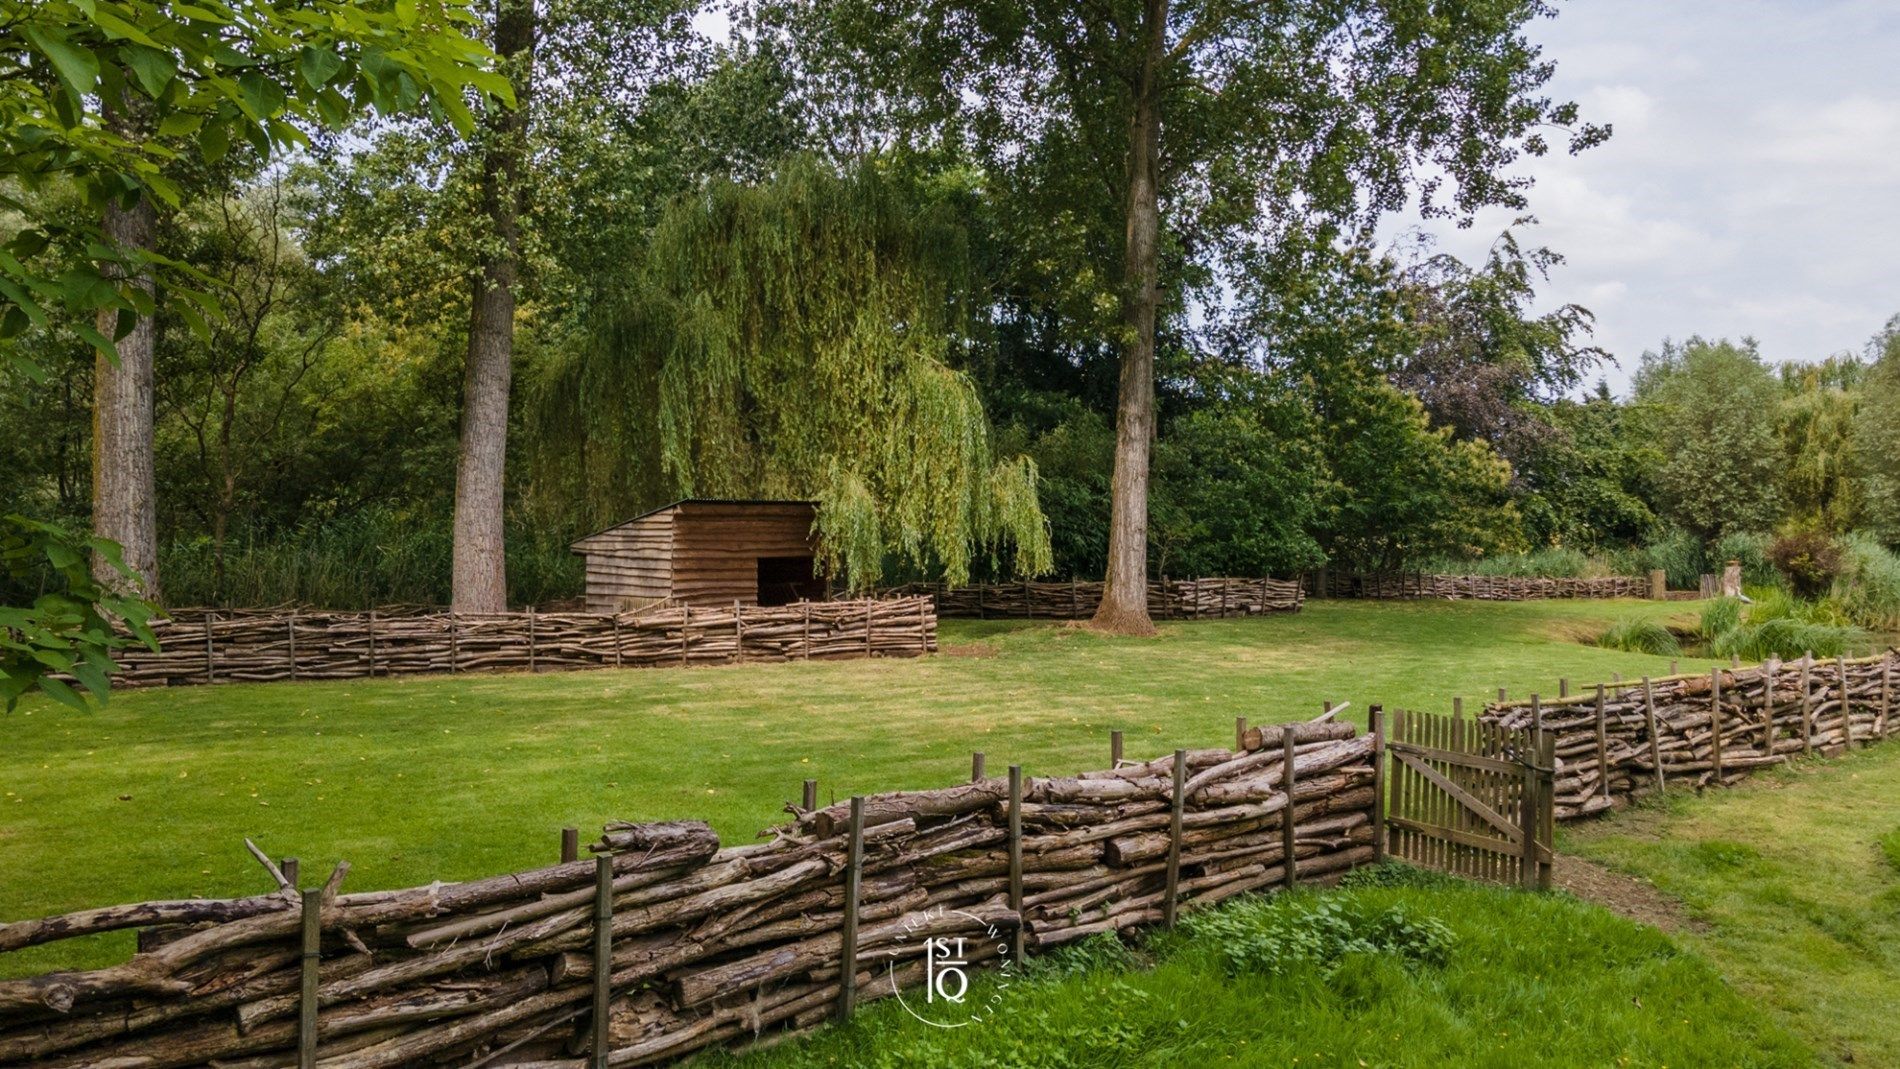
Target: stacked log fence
pixel 1425 585
pixel 669 942
pixel 207 646
pixel 1632 738
pixel 1075 599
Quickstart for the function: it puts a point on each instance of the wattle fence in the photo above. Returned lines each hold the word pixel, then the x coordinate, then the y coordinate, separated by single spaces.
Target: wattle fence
pixel 205 646
pixel 1632 738
pixel 1075 599
pixel 1424 585
pixel 669 943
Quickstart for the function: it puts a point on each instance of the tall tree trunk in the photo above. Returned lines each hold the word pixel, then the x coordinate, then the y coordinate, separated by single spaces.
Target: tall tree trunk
pixel 1124 606
pixel 480 579
pixel 122 482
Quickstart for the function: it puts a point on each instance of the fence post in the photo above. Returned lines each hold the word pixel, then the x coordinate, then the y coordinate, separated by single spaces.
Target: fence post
pixel 923 626
pixel 1563 688
pixel 1075 604
pixel 1847 709
pixel 1170 904
pixel 455 641
pixel 1114 749
pixel 811 795
pixel 1886 692
pixel 1547 804
pixel 738 634
pixel 1029 603
pixel 290 636
pixel 1288 745
pixel 976 767
pixel 1768 706
pixel 853 881
pixel 1715 723
pixel 1017 941
pixel 807 653
pixel 1603 743
pixel 1807 703
pixel 1375 722
pixel 603 959
pixel 372 643
pixel 1240 733
pixel 1655 741
pixel 686 625
pixel 292 870
pixel 312 955
pixel 570 844
pixel 617 654
pixel 211 671
pixel 1528 820
pixel 1457 708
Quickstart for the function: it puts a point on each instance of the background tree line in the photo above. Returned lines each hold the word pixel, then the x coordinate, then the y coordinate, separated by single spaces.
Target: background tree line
pixel 1011 289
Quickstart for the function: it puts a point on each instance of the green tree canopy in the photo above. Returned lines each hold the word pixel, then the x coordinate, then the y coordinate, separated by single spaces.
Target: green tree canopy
pixel 802 338
pixel 1710 409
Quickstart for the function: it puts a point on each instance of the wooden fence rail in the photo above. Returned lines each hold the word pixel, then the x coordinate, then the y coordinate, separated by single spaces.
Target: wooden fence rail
pixel 206 646
pixel 1623 740
pixel 1075 599
pixel 671 943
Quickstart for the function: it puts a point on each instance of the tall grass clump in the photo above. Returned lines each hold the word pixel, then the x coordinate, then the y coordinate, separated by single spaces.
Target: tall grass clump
pixel 1680 555
pixel 1635 635
pixel 1754 551
pixel 1555 562
pixel 1775 623
pixel 1868 587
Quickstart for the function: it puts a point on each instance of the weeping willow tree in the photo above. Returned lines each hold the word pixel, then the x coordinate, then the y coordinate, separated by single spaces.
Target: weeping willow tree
pixel 798 339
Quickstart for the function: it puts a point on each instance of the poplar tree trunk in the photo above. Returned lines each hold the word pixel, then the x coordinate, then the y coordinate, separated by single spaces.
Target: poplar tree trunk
pixel 480 580
pixel 1124 607
pixel 122 481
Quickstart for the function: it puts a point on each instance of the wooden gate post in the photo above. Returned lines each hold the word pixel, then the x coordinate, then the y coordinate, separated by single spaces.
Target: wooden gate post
pixel 976 767
pixel 1375 722
pixel 810 796
pixel 1114 749
pixel 1655 740
pixel 1240 733
pixel 1603 743
pixel 570 845
pixel 1530 819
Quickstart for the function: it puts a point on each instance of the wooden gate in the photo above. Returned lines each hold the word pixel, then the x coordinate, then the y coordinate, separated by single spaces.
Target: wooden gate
pixel 1471 798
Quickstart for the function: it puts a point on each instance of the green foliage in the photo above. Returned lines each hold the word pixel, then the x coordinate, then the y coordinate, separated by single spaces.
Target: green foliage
pixel 1808 559
pixel 1890 848
pixel 1679 554
pixel 360 561
pixel 1815 423
pixel 1753 550
pixel 1709 407
pixel 1636 635
pixel 798 338
pixel 1554 563
pixel 1723 854
pixel 75 622
pixel 1868 589
pixel 1720 616
pixel 1778 624
pixel 1268 936
pixel 115 96
pixel 1876 444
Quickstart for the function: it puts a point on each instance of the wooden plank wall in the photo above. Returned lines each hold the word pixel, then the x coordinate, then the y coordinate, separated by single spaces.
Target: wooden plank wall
pixel 717 546
pixel 630 565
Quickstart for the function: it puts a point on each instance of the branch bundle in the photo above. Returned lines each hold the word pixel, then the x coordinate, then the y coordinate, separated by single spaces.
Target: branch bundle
pixel 1172 599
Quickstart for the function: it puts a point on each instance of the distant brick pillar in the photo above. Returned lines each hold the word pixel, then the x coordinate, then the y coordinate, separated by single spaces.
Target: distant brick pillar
pixel 1658 584
pixel 1732 579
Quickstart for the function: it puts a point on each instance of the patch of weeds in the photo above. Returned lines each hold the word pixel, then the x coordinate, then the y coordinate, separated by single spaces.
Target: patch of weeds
pixel 1100 953
pixel 1890 848
pixel 1269 936
pixel 1398 874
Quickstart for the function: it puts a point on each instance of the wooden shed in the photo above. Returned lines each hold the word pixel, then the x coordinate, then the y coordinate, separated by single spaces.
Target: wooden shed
pixel 704 552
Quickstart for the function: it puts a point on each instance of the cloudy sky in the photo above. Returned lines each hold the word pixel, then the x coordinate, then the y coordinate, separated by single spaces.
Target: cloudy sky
pixel 1753 183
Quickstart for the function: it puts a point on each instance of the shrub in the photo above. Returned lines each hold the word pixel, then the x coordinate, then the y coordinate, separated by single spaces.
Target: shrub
pixel 1775 623
pixel 1808 559
pixel 1868 586
pixel 1633 635
pixel 1267 936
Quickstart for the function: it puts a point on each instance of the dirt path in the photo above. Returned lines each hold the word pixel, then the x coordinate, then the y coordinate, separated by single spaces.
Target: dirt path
pixel 1627 896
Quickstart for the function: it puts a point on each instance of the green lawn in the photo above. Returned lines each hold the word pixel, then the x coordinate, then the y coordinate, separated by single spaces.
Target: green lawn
pixel 1793 884
pixel 423 778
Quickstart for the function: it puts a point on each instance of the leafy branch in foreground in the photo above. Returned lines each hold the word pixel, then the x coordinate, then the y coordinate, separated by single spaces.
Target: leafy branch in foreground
pixel 72 627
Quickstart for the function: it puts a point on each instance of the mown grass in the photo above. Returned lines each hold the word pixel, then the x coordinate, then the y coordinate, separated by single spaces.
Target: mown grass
pixel 1794 880
pixel 1525 980
pixel 451 777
